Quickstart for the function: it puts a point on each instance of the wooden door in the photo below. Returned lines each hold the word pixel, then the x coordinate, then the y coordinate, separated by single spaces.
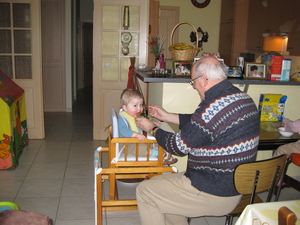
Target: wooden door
pixel 111 66
pixel 21 58
pixel 169 17
pixel 53 37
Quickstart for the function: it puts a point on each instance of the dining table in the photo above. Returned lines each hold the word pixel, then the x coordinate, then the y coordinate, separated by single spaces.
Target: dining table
pixel 271 139
pixel 267 213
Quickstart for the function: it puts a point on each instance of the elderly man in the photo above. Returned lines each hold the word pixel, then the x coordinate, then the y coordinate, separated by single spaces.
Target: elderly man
pixel 222 133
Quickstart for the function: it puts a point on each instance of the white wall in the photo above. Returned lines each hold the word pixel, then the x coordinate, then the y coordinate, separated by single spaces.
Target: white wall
pixel 207 18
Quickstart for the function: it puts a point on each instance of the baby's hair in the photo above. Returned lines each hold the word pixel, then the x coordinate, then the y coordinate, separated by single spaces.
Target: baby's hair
pixel 129 94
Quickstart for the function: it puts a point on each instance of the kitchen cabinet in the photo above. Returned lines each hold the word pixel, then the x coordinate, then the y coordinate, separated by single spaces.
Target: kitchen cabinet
pixel 273 18
pixel 226 38
pixel 293 43
pixel 228 7
pixel 243 23
pixel 257 25
pixel 233 27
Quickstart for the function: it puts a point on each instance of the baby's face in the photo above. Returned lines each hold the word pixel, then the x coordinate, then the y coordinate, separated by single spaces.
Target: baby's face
pixel 134 107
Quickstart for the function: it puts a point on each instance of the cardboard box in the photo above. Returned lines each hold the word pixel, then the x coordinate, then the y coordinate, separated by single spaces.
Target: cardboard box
pixel 286 70
pixel 271 107
pixel 274 66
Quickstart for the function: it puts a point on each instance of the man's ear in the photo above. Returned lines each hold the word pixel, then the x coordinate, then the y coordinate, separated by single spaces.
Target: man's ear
pixel 206 81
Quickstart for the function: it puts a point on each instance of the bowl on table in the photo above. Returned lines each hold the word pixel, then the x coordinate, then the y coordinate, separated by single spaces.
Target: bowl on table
pixel 284 133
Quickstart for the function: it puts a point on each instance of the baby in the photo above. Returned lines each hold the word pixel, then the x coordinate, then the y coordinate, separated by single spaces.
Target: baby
pixel 132 105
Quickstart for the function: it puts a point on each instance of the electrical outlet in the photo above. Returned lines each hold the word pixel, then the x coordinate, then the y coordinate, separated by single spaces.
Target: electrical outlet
pixel 107 64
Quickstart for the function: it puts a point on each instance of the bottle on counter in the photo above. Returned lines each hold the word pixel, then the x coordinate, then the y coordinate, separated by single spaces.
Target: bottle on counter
pixel 162 61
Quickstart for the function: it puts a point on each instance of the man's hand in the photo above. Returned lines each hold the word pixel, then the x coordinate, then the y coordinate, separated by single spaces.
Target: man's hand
pixel 158 112
pixel 161 114
pixel 145 124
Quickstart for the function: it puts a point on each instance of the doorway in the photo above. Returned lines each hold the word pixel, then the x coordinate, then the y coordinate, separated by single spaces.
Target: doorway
pixel 84 76
pixel 87 54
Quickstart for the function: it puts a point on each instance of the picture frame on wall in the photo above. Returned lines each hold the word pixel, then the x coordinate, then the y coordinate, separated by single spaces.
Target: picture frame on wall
pixel 255 70
pixel 182 68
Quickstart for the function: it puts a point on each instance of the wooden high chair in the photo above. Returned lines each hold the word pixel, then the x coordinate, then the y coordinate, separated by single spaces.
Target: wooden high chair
pixel 118 148
pixel 121 165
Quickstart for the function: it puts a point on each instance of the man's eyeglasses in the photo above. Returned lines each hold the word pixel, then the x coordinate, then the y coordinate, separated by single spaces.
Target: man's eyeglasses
pixel 192 81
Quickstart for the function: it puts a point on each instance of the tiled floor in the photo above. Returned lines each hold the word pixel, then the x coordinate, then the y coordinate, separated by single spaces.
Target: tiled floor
pixel 55 176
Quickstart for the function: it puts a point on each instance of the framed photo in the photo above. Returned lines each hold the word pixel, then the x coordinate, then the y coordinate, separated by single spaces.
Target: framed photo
pixel 235 72
pixel 255 70
pixel 182 68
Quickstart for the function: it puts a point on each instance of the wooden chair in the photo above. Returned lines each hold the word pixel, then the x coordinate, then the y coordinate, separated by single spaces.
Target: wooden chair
pixel 287 180
pixel 286 216
pixel 255 177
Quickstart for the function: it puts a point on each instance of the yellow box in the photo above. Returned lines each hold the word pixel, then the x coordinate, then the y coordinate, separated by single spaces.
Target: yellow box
pixel 271 107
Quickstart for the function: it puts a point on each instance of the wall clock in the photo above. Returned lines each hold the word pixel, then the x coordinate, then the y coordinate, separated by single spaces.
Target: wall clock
pixel 200 3
pixel 125 39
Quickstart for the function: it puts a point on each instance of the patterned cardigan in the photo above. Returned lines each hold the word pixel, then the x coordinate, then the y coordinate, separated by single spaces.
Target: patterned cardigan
pixel 222 133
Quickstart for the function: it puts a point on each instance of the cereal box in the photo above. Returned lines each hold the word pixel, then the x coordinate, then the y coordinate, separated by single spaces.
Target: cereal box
pixel 274 66
pixel 271 107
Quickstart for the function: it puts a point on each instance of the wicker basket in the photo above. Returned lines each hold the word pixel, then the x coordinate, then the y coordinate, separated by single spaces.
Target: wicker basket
pixel 187 54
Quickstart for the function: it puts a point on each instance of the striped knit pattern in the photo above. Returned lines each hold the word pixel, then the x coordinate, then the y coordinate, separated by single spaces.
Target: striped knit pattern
pixel 222 133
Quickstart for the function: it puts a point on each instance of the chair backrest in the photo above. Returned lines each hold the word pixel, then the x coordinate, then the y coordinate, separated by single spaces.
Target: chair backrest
pixel 115 130
pixel 114 123
pixel 119 147
pixel 259 176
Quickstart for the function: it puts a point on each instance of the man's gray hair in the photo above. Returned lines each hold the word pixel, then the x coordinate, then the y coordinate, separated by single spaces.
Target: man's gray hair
pixel 212 71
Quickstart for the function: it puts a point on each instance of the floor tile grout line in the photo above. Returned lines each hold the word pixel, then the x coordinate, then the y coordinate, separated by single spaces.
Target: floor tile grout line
pixel 63 181
pixel 25 177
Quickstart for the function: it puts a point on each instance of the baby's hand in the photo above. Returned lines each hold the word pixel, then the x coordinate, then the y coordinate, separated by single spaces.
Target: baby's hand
pixel 139 136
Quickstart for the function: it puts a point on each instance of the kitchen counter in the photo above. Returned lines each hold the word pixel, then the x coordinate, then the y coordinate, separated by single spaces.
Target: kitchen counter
pixel 147 77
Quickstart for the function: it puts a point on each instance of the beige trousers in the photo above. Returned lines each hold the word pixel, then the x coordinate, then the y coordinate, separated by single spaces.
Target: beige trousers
pixel 170 199
pixel 287 149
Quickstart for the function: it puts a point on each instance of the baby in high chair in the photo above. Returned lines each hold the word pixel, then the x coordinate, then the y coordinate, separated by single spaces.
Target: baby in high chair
pixel 132 105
